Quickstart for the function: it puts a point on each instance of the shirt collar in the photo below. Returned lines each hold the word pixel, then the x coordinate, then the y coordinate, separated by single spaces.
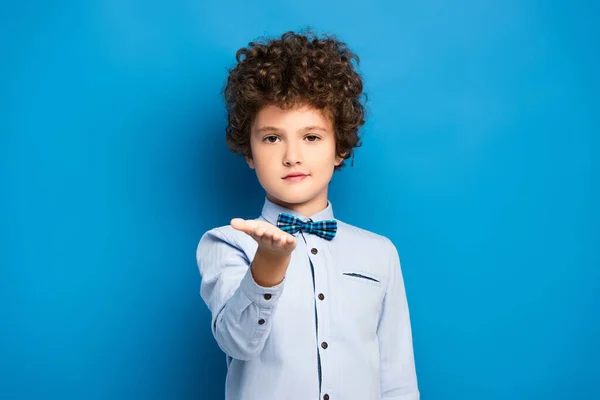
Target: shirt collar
pixel 271 211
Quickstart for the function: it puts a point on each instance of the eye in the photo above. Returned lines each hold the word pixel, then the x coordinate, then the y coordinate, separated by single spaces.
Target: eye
pixel 270 139
pixel 312 138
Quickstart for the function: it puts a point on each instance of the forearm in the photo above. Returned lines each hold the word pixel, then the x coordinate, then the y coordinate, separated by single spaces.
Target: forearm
pixel 242 297
pixel 243 325
pixel 269 269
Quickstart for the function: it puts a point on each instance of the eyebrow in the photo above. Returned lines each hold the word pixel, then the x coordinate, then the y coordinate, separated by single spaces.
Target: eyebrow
pixel 272 129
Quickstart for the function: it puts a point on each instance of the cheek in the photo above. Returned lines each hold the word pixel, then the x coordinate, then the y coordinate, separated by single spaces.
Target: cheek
pixel 265 160
pixel 265 165
pixel 327 158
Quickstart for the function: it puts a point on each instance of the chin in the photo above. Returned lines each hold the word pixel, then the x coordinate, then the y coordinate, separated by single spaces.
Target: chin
pixel 292 198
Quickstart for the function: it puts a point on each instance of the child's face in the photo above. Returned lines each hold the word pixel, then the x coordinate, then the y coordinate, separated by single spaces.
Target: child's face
pixel 298 140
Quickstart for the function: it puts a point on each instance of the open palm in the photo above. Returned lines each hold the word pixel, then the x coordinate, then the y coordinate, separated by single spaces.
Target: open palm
pixel 268 236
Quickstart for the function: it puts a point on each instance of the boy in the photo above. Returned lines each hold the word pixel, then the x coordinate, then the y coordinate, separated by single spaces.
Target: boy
pixel 305 306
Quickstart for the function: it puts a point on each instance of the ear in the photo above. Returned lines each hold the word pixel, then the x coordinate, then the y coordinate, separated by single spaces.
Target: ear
pixel 338 160
pixel 250 162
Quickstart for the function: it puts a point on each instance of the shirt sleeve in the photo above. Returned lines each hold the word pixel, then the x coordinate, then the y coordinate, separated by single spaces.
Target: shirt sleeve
pixel 398 374
pixel 242 311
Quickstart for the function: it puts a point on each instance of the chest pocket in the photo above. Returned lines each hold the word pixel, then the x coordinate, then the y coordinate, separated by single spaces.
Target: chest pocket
pixel 359 305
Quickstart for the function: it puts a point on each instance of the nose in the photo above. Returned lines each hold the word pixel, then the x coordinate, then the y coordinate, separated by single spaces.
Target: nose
pixel 292 155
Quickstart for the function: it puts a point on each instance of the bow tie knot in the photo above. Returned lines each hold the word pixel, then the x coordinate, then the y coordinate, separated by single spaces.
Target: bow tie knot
pixel 291 224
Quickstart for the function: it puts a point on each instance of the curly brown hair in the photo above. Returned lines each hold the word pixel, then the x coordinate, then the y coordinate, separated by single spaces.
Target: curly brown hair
pixel 297 69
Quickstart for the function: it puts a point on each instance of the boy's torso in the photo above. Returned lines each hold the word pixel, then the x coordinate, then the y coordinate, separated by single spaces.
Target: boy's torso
pixel 327 314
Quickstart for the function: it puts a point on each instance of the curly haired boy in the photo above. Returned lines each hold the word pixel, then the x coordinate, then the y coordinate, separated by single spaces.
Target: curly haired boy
pixel 304 305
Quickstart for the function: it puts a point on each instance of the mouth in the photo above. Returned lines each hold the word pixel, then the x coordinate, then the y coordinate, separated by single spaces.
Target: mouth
pixel 295 177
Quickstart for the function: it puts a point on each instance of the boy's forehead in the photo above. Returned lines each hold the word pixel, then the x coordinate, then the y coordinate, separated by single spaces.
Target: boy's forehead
pixel 295 118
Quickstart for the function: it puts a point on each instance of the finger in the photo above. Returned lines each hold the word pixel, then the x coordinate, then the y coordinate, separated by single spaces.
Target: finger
pixel 290 242
pixel 269 239
pixel 243 225
pixel 238 223
pixel 251 226
pixel 278 241
pixel 273 239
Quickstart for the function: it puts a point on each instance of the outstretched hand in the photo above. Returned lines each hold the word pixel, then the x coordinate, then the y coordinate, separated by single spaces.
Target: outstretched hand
pixel 269 237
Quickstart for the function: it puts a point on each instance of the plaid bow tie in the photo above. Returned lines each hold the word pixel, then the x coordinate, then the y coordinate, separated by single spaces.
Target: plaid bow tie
pixel 291 224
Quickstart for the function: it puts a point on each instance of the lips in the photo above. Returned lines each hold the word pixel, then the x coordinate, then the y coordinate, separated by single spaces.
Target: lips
pixel 294 175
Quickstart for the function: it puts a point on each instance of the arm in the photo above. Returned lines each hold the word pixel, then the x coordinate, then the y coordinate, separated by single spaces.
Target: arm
pixel 242 311
pixel 398 375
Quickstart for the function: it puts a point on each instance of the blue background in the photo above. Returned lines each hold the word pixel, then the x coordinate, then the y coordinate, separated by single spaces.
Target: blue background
pixel 480 162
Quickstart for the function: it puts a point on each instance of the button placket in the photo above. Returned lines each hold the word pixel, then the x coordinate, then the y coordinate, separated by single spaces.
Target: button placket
pixel 318 259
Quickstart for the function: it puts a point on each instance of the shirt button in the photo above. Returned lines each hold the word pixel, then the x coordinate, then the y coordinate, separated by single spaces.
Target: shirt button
pixel 325 396
pixel 324 345
pixel 321 296
pixel 267 296
pixel 261 321
pixel 314 251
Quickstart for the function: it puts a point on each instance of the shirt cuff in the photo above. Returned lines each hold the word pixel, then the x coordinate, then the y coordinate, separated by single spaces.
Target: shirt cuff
pixel 263 297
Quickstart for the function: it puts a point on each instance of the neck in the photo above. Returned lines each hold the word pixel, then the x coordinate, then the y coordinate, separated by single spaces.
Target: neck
pixel 307 208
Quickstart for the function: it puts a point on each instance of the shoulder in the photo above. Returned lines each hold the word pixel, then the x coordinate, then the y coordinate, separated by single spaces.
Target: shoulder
pixel 367 239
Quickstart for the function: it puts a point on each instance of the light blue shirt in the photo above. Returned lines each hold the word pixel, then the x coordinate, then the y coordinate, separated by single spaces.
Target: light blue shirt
pixel 337 327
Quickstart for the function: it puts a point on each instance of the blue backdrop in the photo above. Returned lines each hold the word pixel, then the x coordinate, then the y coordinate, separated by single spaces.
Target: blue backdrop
pixel 479 162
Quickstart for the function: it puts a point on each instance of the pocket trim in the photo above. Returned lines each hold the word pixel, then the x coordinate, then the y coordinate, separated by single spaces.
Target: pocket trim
pixel 360 276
